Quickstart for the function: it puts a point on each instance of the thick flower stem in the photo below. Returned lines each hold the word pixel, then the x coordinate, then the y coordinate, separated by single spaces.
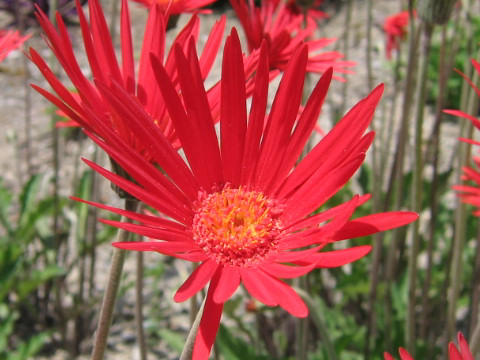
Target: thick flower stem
pixel 110 295
pixel 187 352
pixel 475 340
pixel 139 307
pixel 417 188
pixel 395 185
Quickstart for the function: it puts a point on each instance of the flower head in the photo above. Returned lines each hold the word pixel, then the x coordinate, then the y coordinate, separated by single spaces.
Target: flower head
pixel 395 28
pixel 238 204
pixel 177 6
pixel 10 40
pixel 294 6
pixel 23 11
pixel 453 352
pixel 470 194
pixel 284 32
pixel 106 70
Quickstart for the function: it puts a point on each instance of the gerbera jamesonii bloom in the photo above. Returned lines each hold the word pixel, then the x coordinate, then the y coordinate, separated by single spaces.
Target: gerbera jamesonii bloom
pixel 453 352
pixel 284 32
pixel 239 205
pixel 177 6
pixel 395 28
pixel 10 40
pixel 105 69
pixel 470 194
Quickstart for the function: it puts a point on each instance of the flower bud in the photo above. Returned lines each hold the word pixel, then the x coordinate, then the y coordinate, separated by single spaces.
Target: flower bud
pixel 305 4
pixel 435 11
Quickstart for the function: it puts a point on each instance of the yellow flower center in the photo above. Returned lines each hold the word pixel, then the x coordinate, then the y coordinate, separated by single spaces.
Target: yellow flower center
pixel 236 226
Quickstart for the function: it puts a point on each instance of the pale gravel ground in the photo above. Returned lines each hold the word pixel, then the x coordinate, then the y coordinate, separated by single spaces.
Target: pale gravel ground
pixel 13 166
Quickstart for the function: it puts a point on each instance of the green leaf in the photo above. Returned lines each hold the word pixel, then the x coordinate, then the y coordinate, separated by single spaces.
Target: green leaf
pixel 37 277
pixel 5 202
pixel 173 339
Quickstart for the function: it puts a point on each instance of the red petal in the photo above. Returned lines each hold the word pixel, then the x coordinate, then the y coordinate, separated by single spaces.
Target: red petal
pixel 251 280
pixel 281 119
pixel 462 342
pixel 387 356
pixel 233 112
pixel 374 223
pixel 453 353
pixel 228 282
pixel 331 259
pixel 152 232
pixel 304 128
pixel 286 271
pixel 319 218
pixel 312 195
pixel 196 281
pixel 404 355
pixel 286 297
pixel 332 147
pixel 212 313
pixel 257 116
pixel 319 235
pixel 150 220
pixel 158 246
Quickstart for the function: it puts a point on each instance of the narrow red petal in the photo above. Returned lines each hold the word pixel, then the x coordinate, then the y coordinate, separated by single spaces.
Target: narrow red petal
pixel 233 112
pixel 152 232
pixel 453 353
pixel 252 281
pixel 286 271
pixel 158 246
pixel 331 259
pixel 387 356
pixel 196 281
pixel 303 129
pixel 256 117
pixel 462 343
pixel 374 223
pixel 128 64
pixel 149 220
pixel 228 282
pixel 212 313
pixel 281 119
pixel 404 355
pixel 286 297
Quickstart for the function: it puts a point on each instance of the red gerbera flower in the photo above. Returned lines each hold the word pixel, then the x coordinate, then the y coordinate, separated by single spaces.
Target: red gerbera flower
pixel 395 28
pixel 470 194
pixel 105 69
pixel 312 12
pixel 10 40
pixel 242 207
pixel 177 6
pixel 284 32
pixel 453 353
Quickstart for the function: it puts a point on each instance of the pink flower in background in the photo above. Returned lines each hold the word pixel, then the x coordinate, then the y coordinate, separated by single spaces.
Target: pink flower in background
pixel 107 71
pixel 284 32
pixel 177 6
pixel 453 352
pixel 10 40
pixel 312 12
pixel 396 28
pixel 470 194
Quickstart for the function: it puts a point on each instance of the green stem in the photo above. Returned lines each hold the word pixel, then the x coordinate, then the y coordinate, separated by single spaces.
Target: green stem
pixel 417 188
pixel 474 342
pixel 139 307
pixel 110 295
pixel 187 352
pixel 396 175
pixel 319 321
